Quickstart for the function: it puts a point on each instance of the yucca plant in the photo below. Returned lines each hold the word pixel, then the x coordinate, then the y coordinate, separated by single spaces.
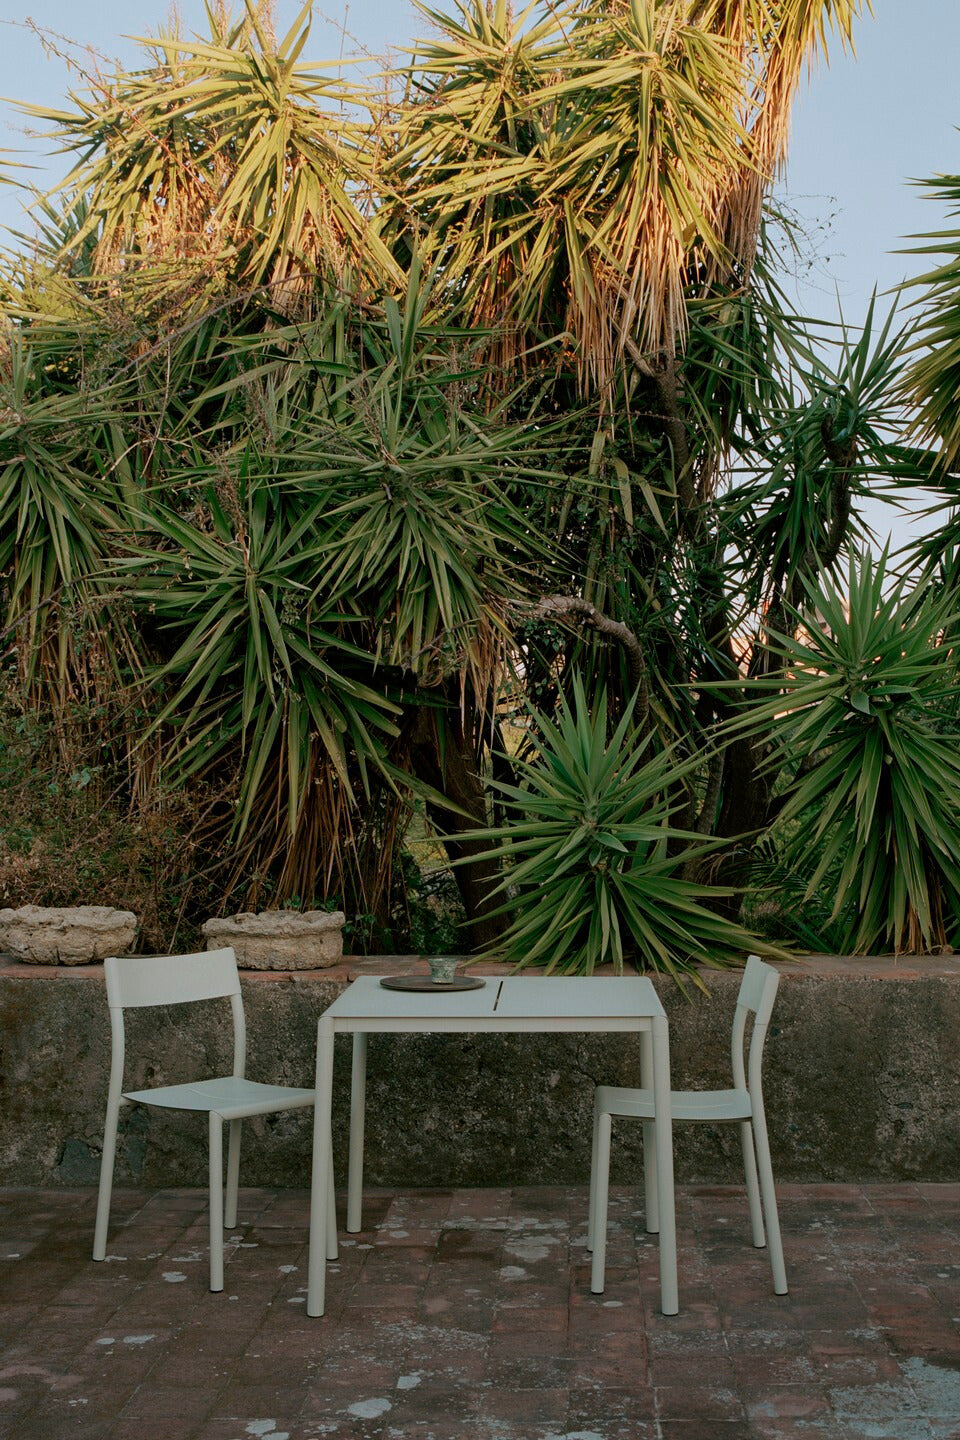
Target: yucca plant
pixel 864 725
pixel 930 384
pixel 576 169
pixel 594 866
pixel 350 501
pixel 229 159
pixel 261 664
pixel 63 496
pixel 836 443
pixel 427 531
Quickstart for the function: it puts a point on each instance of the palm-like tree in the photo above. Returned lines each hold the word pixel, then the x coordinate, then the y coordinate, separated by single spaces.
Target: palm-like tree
pixel 226 162
pixel 496 384
pixel 579 175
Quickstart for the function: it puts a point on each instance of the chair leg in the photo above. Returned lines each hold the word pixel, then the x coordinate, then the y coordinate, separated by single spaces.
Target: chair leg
pixel 216 1201
pixel 233 1175
pixel 320 1167
pixel 601 1200
pixel 769 1196
pixel 107 1159
pixel 753 1187
pixel 592 1204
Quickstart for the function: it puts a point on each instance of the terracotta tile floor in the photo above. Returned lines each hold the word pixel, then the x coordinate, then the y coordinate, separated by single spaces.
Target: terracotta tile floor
pixel 467 1315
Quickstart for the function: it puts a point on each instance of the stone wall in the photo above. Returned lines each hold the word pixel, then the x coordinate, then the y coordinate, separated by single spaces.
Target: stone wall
pixel 862 1081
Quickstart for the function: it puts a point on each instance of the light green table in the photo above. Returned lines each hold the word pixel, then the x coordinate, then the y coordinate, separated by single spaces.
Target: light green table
pixel 512 1005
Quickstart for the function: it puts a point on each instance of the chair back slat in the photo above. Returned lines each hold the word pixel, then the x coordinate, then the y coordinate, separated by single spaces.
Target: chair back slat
pixel 239 1036
pixel 139 980
pixel 758 991
pixel 755 986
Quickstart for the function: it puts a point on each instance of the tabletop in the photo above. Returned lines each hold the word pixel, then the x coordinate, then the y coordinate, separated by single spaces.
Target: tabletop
pixel 562 1001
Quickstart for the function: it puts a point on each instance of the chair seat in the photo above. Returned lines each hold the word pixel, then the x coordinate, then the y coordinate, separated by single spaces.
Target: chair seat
pixel 229 1095
pixel 716 1105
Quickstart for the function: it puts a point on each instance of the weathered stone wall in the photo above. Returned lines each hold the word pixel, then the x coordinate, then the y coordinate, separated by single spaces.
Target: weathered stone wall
pixel 862 1081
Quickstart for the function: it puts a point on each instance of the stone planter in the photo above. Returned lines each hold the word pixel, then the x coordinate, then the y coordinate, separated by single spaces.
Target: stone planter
pixel 280 939
pixel 76 935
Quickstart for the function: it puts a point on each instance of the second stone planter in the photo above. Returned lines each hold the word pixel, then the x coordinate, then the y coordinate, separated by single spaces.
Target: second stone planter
pixel 280 939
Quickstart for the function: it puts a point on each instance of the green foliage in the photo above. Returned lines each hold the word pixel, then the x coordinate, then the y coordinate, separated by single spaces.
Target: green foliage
pixel 594 865
pixel 233 165
pixel 432 913
pixel 61 502
pixel 326 446
pixel 825 456
pixel 865 721
pixel 259 660
pixel 777 905
pixel 933 378
pixel 425 481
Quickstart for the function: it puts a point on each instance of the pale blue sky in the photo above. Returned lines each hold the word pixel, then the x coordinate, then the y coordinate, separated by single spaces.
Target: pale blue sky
pixel 862 127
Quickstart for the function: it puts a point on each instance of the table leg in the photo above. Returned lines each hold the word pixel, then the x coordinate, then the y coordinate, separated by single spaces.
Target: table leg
pixel 320 1172
pixel 669 1299
pixel 358 1102
pixel 651 1203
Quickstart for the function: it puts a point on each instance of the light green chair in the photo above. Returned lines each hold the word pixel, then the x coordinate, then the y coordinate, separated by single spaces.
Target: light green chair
pixel 134 982
pixel 743 1105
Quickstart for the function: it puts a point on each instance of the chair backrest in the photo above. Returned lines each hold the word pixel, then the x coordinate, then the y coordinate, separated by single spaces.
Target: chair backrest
pixel 758 990
pixel 137 981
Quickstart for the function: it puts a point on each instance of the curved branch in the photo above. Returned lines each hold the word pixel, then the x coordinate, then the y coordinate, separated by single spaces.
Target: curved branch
pixel 573 609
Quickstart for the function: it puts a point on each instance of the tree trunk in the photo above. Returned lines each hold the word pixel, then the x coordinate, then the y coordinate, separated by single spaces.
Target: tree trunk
pixel 443 753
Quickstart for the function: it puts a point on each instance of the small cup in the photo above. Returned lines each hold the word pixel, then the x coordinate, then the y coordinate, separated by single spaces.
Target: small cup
pixel 443 968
